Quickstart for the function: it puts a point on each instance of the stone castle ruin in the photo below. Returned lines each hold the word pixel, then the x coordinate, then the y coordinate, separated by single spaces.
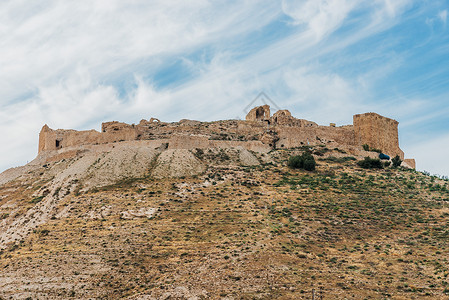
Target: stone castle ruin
pixel 260 132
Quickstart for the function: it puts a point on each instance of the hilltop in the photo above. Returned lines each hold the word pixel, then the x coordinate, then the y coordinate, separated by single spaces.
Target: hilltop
pixel 189 217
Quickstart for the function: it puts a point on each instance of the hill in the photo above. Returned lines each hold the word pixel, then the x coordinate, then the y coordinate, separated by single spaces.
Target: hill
pixel 125 220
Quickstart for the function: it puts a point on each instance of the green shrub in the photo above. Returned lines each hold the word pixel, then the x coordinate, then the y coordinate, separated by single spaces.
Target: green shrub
pixel 387 163
pixel 37 199
pixel 295 162
pixel 338 159
pixel 309 164
pixel 304 161
pixel 396 161
pixel 366 147
pixel 370 163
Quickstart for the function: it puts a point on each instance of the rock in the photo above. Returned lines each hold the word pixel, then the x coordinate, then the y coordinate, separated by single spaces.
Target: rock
pixel 177 163
pixel 144 212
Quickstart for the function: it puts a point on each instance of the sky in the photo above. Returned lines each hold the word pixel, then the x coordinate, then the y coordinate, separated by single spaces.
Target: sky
pixel 75 64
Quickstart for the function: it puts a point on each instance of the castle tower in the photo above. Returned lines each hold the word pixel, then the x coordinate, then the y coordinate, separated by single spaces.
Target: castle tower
pixel 377 132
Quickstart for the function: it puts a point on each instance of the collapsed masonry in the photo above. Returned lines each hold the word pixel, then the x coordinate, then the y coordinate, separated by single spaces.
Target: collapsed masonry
pixel 259 132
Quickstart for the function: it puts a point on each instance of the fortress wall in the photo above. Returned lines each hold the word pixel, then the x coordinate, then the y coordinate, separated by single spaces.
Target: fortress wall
pixel 43 138
pixel 410 162
pixel 341 135
pixel 115 126
pixel 95 137
pixel 378 132
pixel 50 139
pixel 291 137
pixel 251 128
pixel 256 134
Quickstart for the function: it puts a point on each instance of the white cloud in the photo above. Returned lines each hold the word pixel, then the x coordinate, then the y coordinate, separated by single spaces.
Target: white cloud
pixel 78 102
pixel 321 16
pixel 51 39
pixel 443 16
pixel 393 7
pixel 334 95
pixel 64 63
pixel 56 56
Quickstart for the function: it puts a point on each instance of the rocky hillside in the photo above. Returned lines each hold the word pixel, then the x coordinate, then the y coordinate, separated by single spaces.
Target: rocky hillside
pixel 128 221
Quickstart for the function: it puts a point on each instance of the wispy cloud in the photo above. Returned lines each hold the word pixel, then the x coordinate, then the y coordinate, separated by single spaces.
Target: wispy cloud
pixel 76 64
pixel 443 16
pixel 322 17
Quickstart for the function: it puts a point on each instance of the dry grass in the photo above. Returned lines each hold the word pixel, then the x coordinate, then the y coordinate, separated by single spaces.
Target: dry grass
pixel 260 232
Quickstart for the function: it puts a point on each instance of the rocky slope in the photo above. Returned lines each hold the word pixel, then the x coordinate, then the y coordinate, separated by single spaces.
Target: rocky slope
pixel 129 221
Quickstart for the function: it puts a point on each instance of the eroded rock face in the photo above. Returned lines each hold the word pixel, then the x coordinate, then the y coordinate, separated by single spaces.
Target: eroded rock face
pixel 66 172
pixel 270 138
pixel 177 163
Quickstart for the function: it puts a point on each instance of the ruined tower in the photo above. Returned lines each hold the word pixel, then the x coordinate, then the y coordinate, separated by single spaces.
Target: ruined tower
pixel 377 132
pixel 259 113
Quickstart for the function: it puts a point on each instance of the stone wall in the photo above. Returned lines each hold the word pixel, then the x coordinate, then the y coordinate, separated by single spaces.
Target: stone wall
pixel 259 131
pixel 50 139
pixel 377 132
pixel 410 162
pixel 259 113
pixel 115 126
pixel 290 137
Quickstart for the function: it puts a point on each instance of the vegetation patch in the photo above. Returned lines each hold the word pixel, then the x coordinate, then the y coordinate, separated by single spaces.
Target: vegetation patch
pixel 37 199
pixel 370 163
pixel 368 148
pixel 304 161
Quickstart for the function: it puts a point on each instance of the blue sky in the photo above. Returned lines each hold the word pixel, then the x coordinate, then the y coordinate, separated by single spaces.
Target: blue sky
pixel 75 64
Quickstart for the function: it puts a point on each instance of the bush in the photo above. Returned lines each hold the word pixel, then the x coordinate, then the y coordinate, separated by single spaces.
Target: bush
pixel 370 163
pixel 37 199
pixel 366 147
pixel 309 164
pixel 396 161
pixel 338 159
pixel 304 161
pixel 295 162
pixel 387 163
